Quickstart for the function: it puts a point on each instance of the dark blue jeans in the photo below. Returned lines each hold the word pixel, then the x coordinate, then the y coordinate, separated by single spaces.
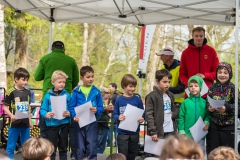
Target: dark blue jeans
pixel 43 127
pixel 109 136
pixel 72 137
pixel 102 138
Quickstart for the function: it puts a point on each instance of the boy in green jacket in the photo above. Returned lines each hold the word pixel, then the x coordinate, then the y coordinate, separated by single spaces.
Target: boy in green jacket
pixel 192 108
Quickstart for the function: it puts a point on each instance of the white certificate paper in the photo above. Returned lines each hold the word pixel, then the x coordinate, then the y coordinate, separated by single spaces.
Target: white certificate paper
pixel 20 115
pixel 203 91
pixel 132 115
pixel 153 147
pixel 197 130
pixel 35 104
pixel 59 105
pixel 85 114
pixel 215 103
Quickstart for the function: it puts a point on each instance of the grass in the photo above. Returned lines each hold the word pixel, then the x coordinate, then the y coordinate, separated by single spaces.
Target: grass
pixel 107 150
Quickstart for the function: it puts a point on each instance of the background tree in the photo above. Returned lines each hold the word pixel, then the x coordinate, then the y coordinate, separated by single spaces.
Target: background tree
pixel 2 53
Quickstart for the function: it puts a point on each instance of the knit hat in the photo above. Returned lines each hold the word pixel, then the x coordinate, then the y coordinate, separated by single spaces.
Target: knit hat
pixel 228 67
pixel 165 51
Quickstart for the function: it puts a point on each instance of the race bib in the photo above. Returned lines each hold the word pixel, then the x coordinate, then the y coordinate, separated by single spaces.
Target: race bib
pixel 22 106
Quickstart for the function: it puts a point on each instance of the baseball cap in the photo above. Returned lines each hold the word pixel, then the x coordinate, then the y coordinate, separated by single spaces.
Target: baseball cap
pixel 58 44
pixel 165 51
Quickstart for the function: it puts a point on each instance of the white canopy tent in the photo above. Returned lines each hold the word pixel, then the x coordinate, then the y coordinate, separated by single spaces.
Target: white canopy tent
pixel 139 12
pixel 201 12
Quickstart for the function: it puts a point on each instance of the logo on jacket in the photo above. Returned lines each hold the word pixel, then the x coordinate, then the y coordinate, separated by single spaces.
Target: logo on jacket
pixel 205 56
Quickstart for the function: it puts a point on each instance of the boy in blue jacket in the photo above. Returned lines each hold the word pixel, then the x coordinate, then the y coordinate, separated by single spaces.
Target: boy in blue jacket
pixel 127 141
pixel 57 129
pixel 87 136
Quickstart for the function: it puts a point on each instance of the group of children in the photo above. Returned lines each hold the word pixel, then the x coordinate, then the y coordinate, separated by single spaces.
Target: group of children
pixel 160 112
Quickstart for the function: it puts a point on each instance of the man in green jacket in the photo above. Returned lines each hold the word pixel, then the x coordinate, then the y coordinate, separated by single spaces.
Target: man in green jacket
pixel 57 60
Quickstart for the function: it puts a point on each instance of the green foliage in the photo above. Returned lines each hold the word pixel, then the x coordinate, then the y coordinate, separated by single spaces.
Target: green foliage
pixel 107 40
pixel 18 20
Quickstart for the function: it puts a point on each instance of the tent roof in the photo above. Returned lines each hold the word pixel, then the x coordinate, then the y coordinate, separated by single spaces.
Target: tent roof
pixel 199 12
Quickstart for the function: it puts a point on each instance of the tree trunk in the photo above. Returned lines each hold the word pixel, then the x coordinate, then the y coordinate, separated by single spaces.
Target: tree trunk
pixel 151 68
pixel 3 77
pixel 190 28
pixel 112 55
pixel 91 41
pixel 85 57
pixel 21 50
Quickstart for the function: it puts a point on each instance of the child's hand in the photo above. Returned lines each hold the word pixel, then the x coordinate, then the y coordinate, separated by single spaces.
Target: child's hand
pixel 7 121
pixel 121 117
pixel 140 120
pixel 93 109
pixel 66 114
pixel 211 109
pixel 13 118
pixel 31 126
pixel 221 109
pixel 154 138
pixel 76 119
pixel 205 127
pixel 49 115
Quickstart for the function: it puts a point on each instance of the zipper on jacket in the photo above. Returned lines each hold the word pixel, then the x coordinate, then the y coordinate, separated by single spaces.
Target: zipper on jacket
pixel 195 109
pixel 199 60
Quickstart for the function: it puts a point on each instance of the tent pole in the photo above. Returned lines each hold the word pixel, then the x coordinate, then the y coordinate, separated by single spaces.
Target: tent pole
pixel 236 75
pixel 50 38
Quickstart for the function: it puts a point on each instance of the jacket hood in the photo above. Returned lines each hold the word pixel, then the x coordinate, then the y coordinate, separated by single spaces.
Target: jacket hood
pixel 198 79
pixel 191 42
pixel 228 67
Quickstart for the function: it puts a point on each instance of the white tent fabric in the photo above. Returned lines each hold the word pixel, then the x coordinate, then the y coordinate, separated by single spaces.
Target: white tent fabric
pixel 140 12
pixel 198 12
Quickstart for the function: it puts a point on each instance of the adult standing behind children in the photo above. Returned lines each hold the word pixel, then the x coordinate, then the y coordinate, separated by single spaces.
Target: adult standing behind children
pixel 57 128
pixel 192 109
pixel 127 141
pixel 57 60
pixel 86 137
pixel 198 59
pixel 18 98
pixel 173 65
pixel 222 120
pixel 160 108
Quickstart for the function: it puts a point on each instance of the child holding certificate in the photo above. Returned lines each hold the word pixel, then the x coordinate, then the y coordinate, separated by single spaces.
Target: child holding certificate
pixel 86 136
pixel 161 111
pixel 192 108
pixel 222 121
pixel 127 141
pixel 17 99
pixel 57 128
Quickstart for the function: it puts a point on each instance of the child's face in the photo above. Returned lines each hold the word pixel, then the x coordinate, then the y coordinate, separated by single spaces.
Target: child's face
pixel 111 88
pixel 194 88
pixel 59 84
pixel 87 79
pixel 21 82
pixel 222 75
pixel 129 90
pixel 164 84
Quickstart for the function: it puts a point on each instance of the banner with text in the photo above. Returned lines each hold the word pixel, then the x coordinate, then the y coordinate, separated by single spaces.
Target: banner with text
pixel 145 46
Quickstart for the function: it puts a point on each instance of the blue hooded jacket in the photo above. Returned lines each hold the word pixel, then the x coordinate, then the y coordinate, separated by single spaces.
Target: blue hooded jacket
pixel 78 98
pixel 47 107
